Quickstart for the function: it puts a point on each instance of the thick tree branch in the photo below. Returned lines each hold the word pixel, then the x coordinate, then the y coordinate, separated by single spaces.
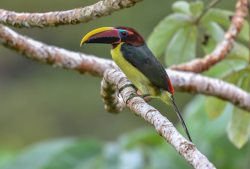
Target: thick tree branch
pixel 222 49
pixel 195 83
pixel 187 82
pixel 58 57
pixel 163 126
pixel 75 16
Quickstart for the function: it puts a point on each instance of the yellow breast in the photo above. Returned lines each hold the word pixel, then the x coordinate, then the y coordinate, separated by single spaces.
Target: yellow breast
pixel 132 73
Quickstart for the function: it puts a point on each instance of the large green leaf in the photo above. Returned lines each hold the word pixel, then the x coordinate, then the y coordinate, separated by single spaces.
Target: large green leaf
pixel 182 47
pixel 222 17
pixel 208 46
pixel 163 32
pixel 196 7
pixel 202 130
pixel 39 155
pixel 239 126
pixel 240 52
pixel 224 68
pixel 59 153
pixel 141 136
pixel 215 36
pixel 81 154
pixel 236 77
pixel 215 31
pixel 181 7
pixel 214 107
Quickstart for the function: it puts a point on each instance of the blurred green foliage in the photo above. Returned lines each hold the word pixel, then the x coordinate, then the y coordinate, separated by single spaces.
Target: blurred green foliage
pixel 181 41
pixel 65 108
pixel 140 149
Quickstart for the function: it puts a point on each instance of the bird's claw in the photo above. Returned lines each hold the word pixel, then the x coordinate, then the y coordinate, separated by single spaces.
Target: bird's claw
pixel 124 86
pixel 134 95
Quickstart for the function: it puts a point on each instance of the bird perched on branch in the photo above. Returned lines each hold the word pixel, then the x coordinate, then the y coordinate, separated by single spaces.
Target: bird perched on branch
pixel 131 53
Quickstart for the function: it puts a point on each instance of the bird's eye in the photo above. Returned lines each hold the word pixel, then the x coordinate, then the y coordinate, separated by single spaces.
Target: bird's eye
pixel 123 33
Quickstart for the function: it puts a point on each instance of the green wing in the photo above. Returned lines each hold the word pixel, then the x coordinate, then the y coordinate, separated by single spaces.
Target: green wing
pixel 144 60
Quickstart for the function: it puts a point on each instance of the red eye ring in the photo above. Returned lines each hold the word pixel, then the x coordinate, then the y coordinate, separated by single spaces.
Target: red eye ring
pixel 124 33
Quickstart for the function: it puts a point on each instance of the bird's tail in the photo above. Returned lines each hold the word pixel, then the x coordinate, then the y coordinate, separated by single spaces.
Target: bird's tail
pixel 169 99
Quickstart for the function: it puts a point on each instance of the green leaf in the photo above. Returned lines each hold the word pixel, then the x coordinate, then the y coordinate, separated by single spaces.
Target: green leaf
pixel 59 153
pixel 237 77
pixel 222 17
pixel 209 46
pixel 197 122
pixel 196 7
pixel 215 34
pixel 215 31
pixel 240 52
pixel 163 32
pixel 82 154
pixel 40 154
pixel 181 7
pixel 182 47
pixel 244 31
pixel 214 107
pixel 239 127
pixel 224 68
pixel 142 136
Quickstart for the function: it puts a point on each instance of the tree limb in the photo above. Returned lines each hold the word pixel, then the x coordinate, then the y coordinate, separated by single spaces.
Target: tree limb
pixel 196 83
pixel 163 126
pixel 223 48
pixel 75 16
pixel 58 57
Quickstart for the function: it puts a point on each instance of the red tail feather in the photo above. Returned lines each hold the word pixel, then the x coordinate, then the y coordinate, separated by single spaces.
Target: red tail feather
pixel 171 89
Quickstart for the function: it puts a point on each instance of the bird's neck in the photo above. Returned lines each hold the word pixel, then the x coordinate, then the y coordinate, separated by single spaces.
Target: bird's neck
pixel 114 46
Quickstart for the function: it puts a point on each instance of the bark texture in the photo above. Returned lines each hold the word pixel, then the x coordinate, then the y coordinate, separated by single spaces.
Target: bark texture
pixel 222 49
pixel 162 125
pixel 74 16
pixel 58 57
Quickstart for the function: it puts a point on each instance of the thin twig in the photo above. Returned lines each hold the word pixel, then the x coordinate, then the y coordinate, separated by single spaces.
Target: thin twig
pixel 163 126
pixel 212 4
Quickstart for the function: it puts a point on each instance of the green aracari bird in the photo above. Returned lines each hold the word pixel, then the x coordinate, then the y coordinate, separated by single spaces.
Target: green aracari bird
pixel 131 53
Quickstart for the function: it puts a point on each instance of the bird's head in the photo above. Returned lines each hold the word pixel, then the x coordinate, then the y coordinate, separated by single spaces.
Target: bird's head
pixel 114 36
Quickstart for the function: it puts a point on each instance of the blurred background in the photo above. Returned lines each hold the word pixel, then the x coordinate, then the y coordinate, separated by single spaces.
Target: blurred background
pixel 38 102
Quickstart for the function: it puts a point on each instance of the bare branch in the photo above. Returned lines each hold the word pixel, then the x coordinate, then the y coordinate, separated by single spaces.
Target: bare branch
pixel 162 125
pixel 58 57
pixel 222 49
pixel 195 83
pixel 75 16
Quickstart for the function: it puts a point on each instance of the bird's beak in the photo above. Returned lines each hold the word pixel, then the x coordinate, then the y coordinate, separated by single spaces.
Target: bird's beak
pixel 107 35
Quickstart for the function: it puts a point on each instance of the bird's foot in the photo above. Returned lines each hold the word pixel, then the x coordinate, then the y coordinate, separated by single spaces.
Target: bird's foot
pixel 134 95
pixel 124 86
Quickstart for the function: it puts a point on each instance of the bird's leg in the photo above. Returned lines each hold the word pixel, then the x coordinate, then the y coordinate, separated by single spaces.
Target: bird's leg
pixel 134 95
pixel 124 86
